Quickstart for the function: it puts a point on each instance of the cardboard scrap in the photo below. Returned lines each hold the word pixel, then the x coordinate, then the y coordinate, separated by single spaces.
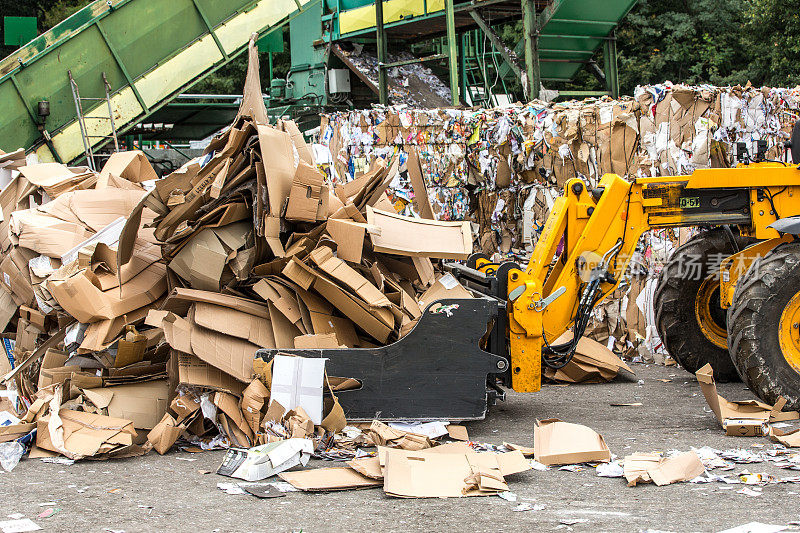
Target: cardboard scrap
pixel 328 479
pixel 560 443
pixel 263 461
pixel 448 471
pixel 383 435
pixel 742 418
pixel 653 467
pixel 789 439
pixel 592 362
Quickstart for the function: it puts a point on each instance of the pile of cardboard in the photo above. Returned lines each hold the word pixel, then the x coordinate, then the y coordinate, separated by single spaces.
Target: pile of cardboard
pixel 501 169
pixel 135 305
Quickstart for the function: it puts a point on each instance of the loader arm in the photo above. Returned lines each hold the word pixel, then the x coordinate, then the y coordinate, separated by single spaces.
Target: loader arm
pixel 590 236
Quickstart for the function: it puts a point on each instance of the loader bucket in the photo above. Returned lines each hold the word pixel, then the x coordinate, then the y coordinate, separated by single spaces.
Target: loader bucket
pixel 436 371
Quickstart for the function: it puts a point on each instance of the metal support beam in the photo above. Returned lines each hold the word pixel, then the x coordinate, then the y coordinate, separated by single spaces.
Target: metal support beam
pixel 610 64
pixel 597 72
pixel 462 66
pixel 383 88
pixel 123 69
pixel 404 62
pixel 453 50
pixel 497 43
pixel 531 31
pixel 210 29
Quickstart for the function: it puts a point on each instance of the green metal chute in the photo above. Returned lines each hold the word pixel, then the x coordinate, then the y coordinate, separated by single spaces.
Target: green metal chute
pixel 149 50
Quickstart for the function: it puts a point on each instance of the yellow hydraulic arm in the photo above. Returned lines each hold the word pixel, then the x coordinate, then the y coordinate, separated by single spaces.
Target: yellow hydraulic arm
pixel 590 235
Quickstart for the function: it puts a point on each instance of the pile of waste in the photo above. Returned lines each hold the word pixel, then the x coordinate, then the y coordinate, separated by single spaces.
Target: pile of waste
pixel 501 169
pixel 133 305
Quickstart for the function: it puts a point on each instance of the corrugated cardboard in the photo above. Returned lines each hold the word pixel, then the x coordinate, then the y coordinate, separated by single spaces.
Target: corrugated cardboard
pixel 254 399
pixel 164 434
pixel 327 479
pixel 87 303
pixel 419 237
pixel 349 237
pixel 278 166
pixel 447 286
pixel 297 382
pixel 790 439
pixel 131 165
pixel 427 474
pixel 560 443
pixel 308 195
pixel 245 326
pixel 367 466
pixel 202 261
pixel 339 270
pixel 316 342
pixel 180 299
pixel 144 404
pixel 592 363
pixel 194 371
pixel 232 355
pixel 15 277
pixel 372 321
pixel 130 348
pixel 421 201
pixel 652 467
pixel 238 429
pixel 383 435
pixel 744 427
pixel 752 409
pixel 84 434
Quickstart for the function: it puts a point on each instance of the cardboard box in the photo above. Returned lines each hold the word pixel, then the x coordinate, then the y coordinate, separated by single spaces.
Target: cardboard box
pixel 144 404
pixel 87 303
pixel 308 195
pixel 297 382
pixel 202 261
pixel 84 434
pixel 561 443
pixel 745 427
pixel 419 237
pixel 266 460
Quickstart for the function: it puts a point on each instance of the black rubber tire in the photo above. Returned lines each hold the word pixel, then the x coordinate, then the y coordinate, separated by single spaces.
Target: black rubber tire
pixel 753 321
pixel 674 304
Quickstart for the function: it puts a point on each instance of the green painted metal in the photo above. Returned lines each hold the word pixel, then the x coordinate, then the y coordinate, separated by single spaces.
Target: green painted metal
pixel 126 40
pixel 572 29
pixel 453 50
pixel 19 30
pixel 380 32
pixel 271 43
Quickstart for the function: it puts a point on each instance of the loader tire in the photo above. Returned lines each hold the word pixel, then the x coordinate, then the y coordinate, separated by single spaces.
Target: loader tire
pixel 689 318
pixel 764 326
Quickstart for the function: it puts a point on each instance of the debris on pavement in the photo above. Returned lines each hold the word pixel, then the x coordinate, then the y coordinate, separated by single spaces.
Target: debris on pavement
pixel 562 443
pixel 655 468
pixel 743 418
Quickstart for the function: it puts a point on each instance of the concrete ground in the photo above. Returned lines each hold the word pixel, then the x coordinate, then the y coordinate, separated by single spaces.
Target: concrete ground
pixel 178 492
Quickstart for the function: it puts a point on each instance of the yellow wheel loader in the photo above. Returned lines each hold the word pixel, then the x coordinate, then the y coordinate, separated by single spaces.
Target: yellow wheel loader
pixel 730 296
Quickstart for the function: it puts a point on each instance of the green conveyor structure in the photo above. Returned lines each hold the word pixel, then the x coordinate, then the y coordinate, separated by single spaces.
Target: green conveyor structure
pixel 149 51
